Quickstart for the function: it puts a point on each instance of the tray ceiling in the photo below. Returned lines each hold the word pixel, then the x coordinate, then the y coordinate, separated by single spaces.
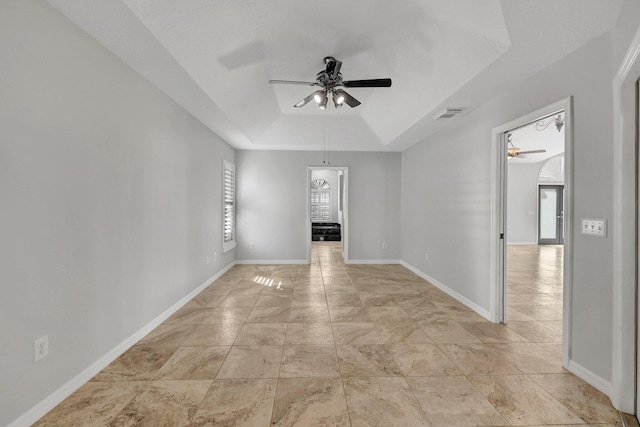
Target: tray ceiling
pixel 214 58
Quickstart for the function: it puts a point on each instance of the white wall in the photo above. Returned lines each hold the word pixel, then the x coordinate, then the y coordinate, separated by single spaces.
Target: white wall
pixel 522 200
pixel 272 203
pixel 446 205
pixel 110 201
pixel 333 178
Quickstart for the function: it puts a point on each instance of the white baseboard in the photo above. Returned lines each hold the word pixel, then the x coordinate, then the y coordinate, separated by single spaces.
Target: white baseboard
pixel 51 401
pixel 304 261
pixel 522 243
pixel 273 262
pixel 374 261
pixel 595 380
pixel 464 300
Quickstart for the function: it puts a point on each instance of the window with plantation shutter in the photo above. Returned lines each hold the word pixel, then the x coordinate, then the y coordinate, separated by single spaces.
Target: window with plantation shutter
pixel 320 200
pixel 229 206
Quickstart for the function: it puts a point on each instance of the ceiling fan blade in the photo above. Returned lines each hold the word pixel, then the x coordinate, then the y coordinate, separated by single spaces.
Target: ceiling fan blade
pixel 306 100
pixel 350 100
pixel 368 83
pixel 292 82
pixel 532 152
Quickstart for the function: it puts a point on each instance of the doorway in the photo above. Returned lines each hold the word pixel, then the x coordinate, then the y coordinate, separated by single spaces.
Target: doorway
pixel 502 148
pixel 328 208
pixel 535 232
pixel 551 214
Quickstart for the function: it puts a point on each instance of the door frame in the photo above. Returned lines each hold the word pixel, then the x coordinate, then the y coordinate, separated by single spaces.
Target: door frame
pixel 560 238
pixel 499 216
pixel 344 229
pixel 625 259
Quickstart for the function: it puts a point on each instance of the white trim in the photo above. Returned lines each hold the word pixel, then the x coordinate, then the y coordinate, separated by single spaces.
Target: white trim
pixel 374 261
pixel 461 298
pixel 304 261
pixel 344 224
pixel 271 261
pixel 51 401
pixel 595 380
pixel 498 217
pixel 498 226
pixel 624 230
pixel 522 243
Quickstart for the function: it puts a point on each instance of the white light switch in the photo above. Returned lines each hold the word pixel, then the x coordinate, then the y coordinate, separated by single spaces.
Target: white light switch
pixel 594 227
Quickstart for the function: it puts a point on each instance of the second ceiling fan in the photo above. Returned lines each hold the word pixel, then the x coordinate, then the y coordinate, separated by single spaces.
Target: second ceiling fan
pixel 330 82
pixel 513 151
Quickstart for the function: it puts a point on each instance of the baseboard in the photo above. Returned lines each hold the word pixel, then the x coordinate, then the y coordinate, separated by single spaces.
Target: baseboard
pixel 464 300
pixel 628 420
pixel 595 380
pixel 272 262
pixel 304 261
pixel 374 261
pixel 522 243
pixel 51 401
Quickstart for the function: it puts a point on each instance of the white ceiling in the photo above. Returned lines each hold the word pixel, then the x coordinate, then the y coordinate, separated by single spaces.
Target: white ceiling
pixel 214 57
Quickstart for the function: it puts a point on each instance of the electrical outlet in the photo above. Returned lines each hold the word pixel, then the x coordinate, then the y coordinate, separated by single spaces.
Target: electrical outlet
pixel 594 227
pixel 40 348
pixel 215 256
pixel 252 245
pixel 384 245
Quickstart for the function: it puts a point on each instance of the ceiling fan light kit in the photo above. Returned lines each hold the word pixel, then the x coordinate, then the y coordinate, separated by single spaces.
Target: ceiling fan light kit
pixel 330 80
pixel 323 101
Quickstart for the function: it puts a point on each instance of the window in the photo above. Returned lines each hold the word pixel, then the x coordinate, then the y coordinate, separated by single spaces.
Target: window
pixel 229 206
pixel 320 200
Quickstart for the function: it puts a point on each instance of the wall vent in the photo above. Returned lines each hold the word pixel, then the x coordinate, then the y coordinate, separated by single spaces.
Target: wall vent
pixel 447 113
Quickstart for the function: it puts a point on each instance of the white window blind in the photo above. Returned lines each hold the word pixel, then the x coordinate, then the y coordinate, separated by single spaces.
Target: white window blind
pixel 229 206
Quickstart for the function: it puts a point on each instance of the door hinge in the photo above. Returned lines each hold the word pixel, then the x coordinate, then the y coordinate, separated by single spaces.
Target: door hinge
pixel 501 236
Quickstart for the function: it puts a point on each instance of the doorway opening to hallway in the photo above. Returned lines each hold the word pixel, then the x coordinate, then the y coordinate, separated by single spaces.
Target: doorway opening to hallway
pixel 531 237
pixel 327 210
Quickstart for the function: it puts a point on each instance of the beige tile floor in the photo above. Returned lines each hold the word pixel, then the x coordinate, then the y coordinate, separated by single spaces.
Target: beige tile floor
pixel 347 345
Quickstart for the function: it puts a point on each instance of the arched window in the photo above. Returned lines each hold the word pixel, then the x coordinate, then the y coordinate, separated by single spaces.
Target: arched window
pixel 552 170
pixel 320 200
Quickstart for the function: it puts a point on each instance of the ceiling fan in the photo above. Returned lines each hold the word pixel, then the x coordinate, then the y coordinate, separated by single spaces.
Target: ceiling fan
pixel 513 151
pixel 330 82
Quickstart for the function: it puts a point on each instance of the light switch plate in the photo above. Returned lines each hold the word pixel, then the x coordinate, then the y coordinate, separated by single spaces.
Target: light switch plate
pixel 594 227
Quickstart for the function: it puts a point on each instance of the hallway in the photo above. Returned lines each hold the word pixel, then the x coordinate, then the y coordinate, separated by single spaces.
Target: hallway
pixel 534 294
pixel 335 344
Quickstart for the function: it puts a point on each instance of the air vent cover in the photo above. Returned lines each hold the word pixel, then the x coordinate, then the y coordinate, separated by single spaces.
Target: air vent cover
pixel 447 113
